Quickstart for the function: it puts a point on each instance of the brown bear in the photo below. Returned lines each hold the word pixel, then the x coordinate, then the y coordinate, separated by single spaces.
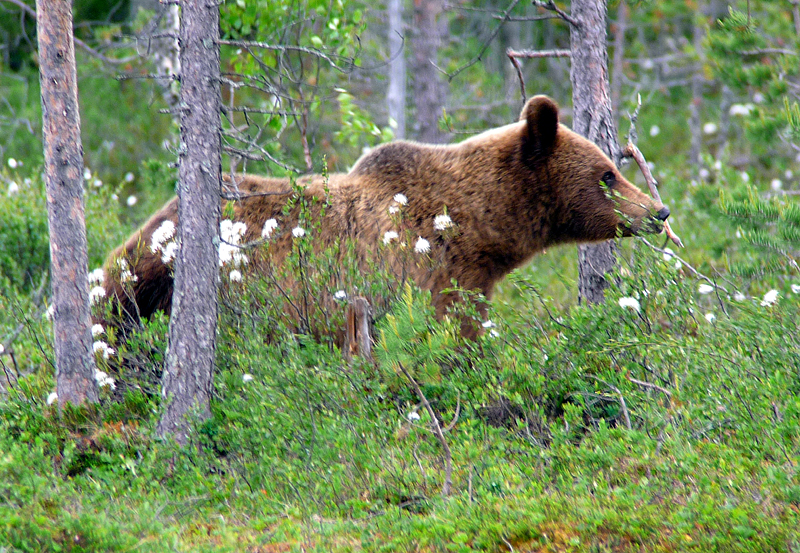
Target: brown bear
pixel 474 210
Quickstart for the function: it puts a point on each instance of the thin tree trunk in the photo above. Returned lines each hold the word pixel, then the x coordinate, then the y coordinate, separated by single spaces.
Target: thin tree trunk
pixel 63 158
pixel 592 118
pixel 428 86
pixel 396 94
pixel 619 56
pixel 695 124
pixel 192 329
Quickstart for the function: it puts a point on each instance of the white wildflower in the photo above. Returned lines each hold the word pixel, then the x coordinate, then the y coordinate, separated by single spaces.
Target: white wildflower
pixel 247 377
pixel 269 226
pixel 413 416
pixel 718 165
pixel 705 288
pixel 235 276
pixel 488 324
pixel 87 173
pixel 630 303
pixel 170 251
pixel 131 201
pixel 231 232
pixel 655 130
pixel 422 246
pixel 769 298
pixel 738 296
pixel 12 163
pixel 668 254
pixel 710 128
pixel 298 232
pixel 710 317
pixel 401 199
pixel 13 188
pixel 393 209
pixel 745 177
pixel 51 311
pixel 162 235
pixel 442 222
pixel 101 347
pixel 776 184
pixel 795 288
pixel 129 177
pixel 759 98
pixel 340 295
pixel 741 109
pixel 390 235
pixel 52 398
pixel 97 183
pixel 95 294
pixel 102 378
pixel 788 174
pixel 97 330
pixel 97 276
pixel 125 274
pixel 704 173
pixel 2 349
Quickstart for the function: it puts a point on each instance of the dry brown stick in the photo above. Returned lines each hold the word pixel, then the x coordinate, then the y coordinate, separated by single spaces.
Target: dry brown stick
pixel 632 151
pixel 437 429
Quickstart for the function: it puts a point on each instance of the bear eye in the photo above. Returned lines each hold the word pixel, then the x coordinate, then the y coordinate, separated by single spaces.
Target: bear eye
pixel 608 178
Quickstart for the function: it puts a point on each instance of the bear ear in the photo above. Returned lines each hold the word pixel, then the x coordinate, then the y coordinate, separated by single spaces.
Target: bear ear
pixel 541 114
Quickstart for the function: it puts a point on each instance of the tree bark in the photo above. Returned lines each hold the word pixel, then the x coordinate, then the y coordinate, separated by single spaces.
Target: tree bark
pixel 63 159
pixel 396 94
pixel 593 119
pixel 619 56
pixel 428 86
pixel 192 329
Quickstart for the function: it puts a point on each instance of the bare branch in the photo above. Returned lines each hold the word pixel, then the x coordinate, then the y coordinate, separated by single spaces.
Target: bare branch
pixel 632 151
pixel 550 5
pixel 538 53
pixel 650 385
pixel 437 429
pixel 503 18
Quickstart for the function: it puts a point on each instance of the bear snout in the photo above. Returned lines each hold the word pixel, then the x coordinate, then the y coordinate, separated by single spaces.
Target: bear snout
pixel 663 213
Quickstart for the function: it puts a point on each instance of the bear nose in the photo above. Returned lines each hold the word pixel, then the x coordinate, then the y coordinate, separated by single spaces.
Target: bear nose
pixel 663 213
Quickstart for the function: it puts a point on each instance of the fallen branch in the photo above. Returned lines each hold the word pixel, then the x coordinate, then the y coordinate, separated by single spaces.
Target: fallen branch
pixel 437 429
pixel 632 151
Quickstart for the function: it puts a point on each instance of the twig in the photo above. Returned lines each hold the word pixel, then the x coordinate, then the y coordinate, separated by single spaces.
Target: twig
pixel 644 384
pixel 632 151
pixel 437 429
pixel 622 403
pixel 514 54
pixel 550 5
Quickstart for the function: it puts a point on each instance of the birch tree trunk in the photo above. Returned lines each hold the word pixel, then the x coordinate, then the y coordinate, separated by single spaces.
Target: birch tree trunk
pixel 593 119
pixel 428 86
pixel 192 330
pixel 63 161
pixel 396 94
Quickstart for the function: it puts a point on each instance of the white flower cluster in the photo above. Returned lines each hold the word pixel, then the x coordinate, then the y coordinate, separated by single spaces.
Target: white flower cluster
pixel 491 326
pixel 742 110
pixel 101 347
pixel 162 241
pixel 269 226
pixel 229 250
pixel 442 222
pixel 96 294
pixel 97 276
pixel 770 298
pixel 705 288
pixel 125 274
pixel 390 235
pixel 298 232
pixel 422 246
pixel 340 295
pixel 630 303
pixel 97 330
pixel 103 379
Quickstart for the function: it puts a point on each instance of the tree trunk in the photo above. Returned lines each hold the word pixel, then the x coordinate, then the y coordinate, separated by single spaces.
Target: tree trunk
pixel 192 329
pixel 428 86
pixel 695 124
pixel 619 56
pixel 63 161
pixel 396 94
pixel 593 119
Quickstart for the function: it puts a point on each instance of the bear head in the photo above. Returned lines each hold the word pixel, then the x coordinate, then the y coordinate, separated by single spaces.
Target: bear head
pixel 592 200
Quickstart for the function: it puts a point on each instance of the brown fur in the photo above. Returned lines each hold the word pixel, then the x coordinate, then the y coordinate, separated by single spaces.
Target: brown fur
pixel 511 192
